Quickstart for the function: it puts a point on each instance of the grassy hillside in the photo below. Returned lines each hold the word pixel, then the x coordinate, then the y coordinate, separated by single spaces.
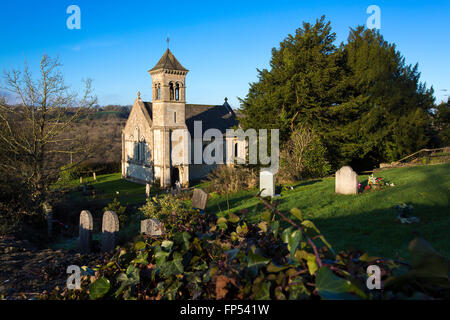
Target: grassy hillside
pixel 365 221
pixel 368 221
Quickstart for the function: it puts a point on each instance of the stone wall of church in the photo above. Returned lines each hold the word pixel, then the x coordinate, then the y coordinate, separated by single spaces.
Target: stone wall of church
pixel 137 146
pixel 138 173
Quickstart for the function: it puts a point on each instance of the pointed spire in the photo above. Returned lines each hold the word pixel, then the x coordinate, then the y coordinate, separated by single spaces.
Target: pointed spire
pixel 169 62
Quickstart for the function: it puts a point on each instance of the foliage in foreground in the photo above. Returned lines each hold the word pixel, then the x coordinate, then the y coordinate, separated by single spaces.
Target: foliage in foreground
pixel 227 257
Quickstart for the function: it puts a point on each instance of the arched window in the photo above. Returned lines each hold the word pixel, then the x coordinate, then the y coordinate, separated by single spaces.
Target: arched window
pixel 177 92
pixel 171 90
pixel 236 150
pixel 158 92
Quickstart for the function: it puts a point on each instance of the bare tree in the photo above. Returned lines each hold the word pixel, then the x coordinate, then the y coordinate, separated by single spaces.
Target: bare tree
pixel 37 129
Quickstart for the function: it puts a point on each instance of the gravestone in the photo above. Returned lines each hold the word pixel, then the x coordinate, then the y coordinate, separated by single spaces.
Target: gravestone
pixel 81 180
pixel 49 217
pixel 85 231
pixel 346 181
pixel 94 176
pixel 147 190
pixel 266 183
pixel 110 228
pixel 151 227
pixel 199 199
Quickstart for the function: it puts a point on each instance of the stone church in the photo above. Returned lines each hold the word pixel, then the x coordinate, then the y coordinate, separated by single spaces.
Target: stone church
pixel 147 141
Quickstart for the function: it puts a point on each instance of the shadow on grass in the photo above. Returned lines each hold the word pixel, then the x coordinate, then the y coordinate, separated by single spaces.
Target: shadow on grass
pixel 380 233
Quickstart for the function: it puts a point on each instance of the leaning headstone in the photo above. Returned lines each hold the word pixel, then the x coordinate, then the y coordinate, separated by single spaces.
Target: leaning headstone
pixel 346 181
pixel 266 183
pixel 151 227
pixel 85 231
pixel 199 199
pixel 147 190
pixel 110 228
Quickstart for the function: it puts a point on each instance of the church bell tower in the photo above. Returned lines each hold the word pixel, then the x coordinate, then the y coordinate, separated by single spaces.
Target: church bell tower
pixel 169 119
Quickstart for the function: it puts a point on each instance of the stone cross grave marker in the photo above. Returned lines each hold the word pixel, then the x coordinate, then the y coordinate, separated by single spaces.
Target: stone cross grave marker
pixel 151 227
pixel 199 199
pixel 266 183
pixel 85 231
pixel 346 181
pixel 110 228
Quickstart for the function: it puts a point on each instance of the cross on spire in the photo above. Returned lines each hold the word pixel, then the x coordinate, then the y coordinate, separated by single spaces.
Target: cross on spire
pixel 168 42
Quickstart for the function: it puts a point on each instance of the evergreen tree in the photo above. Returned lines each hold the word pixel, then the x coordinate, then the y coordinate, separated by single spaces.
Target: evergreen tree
pixel 365 103
pixel 386 111
pixel 301 85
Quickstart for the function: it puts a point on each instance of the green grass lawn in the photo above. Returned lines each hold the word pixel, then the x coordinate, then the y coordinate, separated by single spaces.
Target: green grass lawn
pixel 107 187
pixel 365 221
pixel 368 221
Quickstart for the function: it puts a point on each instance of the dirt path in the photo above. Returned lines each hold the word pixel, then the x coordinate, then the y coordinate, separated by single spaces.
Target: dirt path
pixel 26 271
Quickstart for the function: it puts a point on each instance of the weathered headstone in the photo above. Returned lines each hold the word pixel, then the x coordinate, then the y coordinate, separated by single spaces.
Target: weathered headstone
pixel 85 231
pixel 151 227
pixel 346 181
pixel 110 228
pixel 94 176
pixel 147 190
pixel 49 217
pixel 266 183
pixel 199 199
pixel 81 180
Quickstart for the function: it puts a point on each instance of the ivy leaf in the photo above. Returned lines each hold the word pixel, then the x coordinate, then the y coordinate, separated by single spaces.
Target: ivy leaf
pixel 331 287
pixel 310 225
pixel 285 234
pixel 139 245
pixel 173 267
pixel 262 291
pixel 263 226
pixel 160 257
pixel 99 288
pixel 293 241
pixel 274 226
pixel 141 258
pixel 297 213
pixel 255 260
pixel 222 223
pixel 233 218
pixel 186 237
pixel 309 258
pixel 274 268
pixel 167 245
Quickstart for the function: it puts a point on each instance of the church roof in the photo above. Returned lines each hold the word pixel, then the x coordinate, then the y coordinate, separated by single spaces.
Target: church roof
pixel 220 117
pixel 168 61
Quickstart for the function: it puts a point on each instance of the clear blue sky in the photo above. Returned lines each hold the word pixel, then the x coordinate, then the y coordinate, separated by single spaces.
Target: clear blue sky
pixel 220 42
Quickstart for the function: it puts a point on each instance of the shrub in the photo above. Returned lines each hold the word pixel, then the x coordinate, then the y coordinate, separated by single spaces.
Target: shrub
pixel 161 207
pixel 119 210
pixel 302 157
pixel 174 212
pixel 230 179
